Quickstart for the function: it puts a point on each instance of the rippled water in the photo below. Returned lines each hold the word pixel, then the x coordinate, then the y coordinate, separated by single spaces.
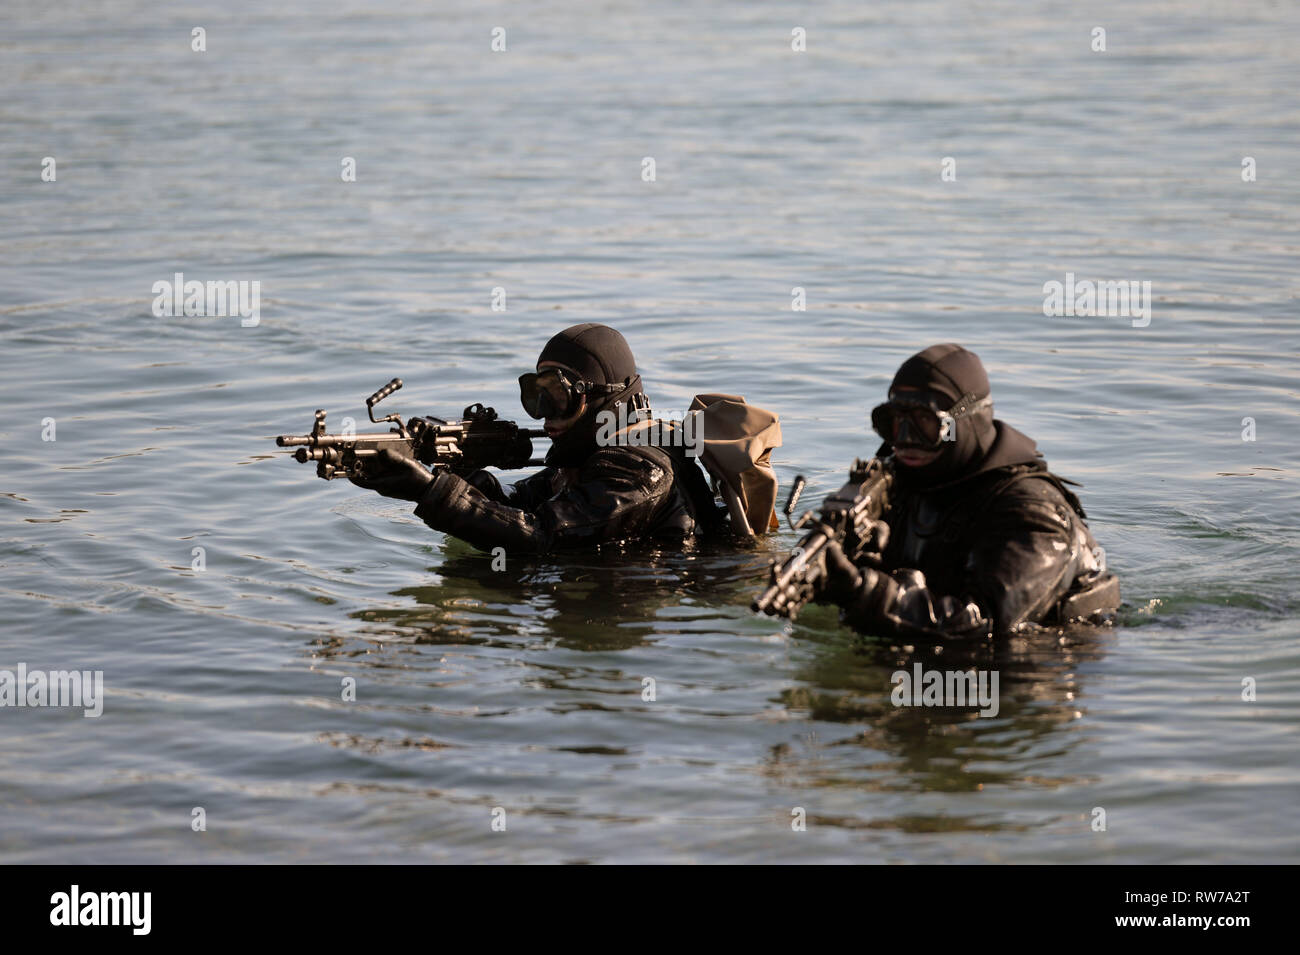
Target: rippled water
pixel 522 689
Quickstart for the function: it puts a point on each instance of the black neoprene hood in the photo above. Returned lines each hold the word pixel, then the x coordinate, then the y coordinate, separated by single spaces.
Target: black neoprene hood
pixel 599 354
pixel 596 352
pixel 950 371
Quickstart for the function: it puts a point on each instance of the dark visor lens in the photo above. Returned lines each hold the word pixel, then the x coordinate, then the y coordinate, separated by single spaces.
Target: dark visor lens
pixel 911 425
pixel 545 395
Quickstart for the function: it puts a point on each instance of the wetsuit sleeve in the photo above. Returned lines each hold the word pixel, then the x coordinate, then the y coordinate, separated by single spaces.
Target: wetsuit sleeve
pixel 618 494
pixel 526 494
pixel 1023 561
pixel 530 493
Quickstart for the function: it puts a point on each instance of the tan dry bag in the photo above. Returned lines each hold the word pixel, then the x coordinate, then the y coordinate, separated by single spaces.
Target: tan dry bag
pixel 738 441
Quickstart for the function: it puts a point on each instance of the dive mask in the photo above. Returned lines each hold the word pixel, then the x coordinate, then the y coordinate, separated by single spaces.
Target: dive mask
pixel 919 424
pixel 551 393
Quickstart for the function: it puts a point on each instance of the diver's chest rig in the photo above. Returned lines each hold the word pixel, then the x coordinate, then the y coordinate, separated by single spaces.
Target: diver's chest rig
pixel 1094 591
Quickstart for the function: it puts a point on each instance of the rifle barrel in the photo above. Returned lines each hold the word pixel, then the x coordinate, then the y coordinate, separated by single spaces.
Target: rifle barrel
pixel 332 440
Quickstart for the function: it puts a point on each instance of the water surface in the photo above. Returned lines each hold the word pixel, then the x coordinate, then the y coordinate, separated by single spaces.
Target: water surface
pixel 522 689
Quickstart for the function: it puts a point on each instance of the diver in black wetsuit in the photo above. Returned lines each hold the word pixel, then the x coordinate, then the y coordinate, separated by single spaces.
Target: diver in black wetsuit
pixel 982 538
pixel 587 494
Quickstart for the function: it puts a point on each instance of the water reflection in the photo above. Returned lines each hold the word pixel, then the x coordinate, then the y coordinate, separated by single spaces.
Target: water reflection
pixel 621 599
pixel 613 599
pixel 941 748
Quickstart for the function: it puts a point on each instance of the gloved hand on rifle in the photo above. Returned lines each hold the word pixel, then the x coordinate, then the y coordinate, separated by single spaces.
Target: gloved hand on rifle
pixel 850 586
pixel 394 476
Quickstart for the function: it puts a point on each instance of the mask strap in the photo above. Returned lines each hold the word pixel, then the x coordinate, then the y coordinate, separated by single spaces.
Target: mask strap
pixel 591 388
pixel 968 404
pixel 583 387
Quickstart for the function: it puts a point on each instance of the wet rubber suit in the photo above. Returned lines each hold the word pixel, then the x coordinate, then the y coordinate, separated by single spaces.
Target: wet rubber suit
pixel 982 540
pixel 587 494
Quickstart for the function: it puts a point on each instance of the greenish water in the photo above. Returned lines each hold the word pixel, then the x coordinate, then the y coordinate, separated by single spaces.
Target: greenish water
pixel 522 689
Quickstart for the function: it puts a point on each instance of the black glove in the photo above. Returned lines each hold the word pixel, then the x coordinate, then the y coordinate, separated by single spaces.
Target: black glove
pixel 858 590
pixel 842 580
pixel 877 541
pixel 394 476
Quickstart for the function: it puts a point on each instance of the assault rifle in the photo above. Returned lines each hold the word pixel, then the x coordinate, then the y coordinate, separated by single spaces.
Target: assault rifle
pixel 850 516
pixel 479 440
